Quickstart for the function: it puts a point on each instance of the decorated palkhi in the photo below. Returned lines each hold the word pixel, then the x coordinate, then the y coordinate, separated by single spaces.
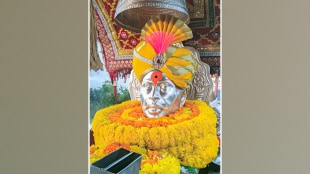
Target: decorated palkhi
pixel 168 130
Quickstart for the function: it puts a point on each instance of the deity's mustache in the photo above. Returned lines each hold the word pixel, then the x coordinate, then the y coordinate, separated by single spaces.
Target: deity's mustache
pixel 153 107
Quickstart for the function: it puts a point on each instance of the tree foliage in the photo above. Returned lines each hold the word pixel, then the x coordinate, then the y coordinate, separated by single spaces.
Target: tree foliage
pixel 103 97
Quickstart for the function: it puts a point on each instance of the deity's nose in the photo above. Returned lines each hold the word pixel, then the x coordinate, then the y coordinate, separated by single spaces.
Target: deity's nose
pixel 155 95
pixel 154 98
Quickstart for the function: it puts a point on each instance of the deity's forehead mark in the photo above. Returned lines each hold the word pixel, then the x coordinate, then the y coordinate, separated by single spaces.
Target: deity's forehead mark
pixel 156 76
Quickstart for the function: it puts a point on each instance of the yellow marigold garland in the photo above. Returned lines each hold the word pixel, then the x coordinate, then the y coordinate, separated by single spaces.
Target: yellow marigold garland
pixel 188 135
pixel 152 161
pixel 167 164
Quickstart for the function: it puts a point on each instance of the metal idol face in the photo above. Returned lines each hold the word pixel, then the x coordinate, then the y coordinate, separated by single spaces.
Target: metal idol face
pixel 159 96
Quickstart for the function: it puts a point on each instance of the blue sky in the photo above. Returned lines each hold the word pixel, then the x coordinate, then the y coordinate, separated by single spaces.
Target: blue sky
pixel 97 78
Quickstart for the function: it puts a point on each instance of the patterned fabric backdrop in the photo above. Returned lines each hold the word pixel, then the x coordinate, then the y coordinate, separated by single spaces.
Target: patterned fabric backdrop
pixel 205 24
pixel 117 43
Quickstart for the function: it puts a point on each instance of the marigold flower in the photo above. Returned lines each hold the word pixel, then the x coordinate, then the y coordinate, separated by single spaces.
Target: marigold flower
pixel 188 135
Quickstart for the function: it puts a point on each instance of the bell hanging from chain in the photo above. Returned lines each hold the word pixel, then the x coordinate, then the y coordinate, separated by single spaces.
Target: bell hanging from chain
pixel 133 14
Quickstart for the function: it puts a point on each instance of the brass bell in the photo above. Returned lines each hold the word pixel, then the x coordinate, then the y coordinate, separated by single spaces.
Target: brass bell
pixel 133 14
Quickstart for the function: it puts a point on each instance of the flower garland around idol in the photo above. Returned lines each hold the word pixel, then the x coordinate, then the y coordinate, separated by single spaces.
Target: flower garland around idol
pixel 188 135
pixel 152 161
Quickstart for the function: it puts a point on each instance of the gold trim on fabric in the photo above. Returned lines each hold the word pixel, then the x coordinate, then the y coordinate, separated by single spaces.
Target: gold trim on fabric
pixel 107 16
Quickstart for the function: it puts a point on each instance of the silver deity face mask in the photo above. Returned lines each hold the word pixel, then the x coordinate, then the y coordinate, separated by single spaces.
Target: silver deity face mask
pixel 159 96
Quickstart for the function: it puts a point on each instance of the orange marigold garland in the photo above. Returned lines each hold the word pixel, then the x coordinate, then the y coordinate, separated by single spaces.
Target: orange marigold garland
pixel 114 146
pixel 188 135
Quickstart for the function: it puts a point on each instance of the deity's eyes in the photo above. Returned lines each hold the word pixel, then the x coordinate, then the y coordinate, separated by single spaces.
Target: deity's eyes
pixel 148 87
pixel 163 88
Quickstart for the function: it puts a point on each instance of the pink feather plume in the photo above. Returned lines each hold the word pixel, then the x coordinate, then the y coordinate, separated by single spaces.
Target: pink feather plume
pixel 160 40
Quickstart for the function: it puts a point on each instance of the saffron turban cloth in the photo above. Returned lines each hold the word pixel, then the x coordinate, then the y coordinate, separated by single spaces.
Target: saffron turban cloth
pixel 157 52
